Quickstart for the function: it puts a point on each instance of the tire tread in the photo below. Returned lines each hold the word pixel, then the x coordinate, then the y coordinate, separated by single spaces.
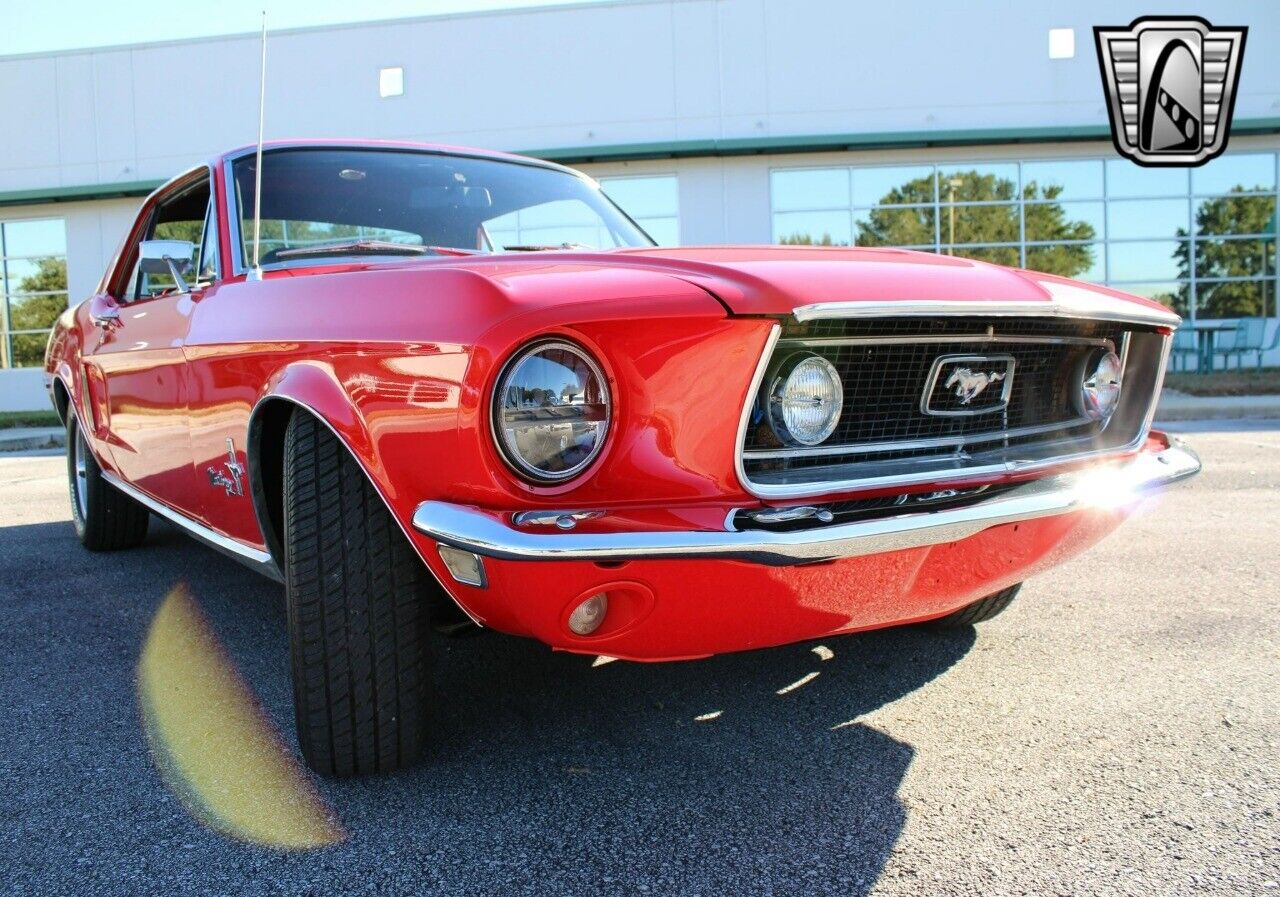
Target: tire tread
pixel 979 611
pixel 112 521
pixel 357 612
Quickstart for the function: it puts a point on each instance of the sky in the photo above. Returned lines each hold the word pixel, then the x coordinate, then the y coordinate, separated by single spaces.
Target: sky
pixel 41 27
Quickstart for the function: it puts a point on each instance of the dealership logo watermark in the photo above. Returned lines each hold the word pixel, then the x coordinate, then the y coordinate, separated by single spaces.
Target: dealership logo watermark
pixel 1171 87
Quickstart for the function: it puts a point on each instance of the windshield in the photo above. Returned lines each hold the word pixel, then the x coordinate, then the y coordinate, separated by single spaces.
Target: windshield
pixel 322 203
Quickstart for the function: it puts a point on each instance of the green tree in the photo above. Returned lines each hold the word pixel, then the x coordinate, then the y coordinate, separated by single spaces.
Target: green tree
pixel 1046 221
pixel 37 312
pixel 800 239
pixel 1215 257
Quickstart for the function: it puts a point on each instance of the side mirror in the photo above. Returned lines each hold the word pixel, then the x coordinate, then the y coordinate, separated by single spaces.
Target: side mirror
pixel 104 312
pixel 172 257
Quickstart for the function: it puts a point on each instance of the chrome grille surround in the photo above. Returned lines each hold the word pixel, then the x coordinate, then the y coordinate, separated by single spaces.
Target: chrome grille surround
pixel 904 453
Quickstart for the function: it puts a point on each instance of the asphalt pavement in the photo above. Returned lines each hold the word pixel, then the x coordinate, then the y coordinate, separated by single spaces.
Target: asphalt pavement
pixel 1117 731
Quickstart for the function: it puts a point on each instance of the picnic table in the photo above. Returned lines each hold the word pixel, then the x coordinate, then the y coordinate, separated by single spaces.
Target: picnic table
pixel 1207 337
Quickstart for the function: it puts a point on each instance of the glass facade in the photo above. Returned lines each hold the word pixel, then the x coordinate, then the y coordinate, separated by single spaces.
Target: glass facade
pixel 33 287
pixel 1202 240
pixel 652 201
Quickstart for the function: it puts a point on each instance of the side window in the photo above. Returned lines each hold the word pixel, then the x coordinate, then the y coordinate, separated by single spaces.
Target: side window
pixel 180 217
pixel 208 272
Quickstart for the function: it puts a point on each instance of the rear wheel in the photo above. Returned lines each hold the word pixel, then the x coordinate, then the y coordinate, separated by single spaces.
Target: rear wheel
pixel 981 610
pixel 358 612
pixel 105 518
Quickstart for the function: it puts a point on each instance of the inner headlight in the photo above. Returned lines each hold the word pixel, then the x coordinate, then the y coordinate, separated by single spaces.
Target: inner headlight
pixel 805 399
pixel 551 411
pixel 1100 386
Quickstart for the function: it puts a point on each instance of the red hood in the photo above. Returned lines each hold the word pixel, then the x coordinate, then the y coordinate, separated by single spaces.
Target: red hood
pixel 778 280
pixel 772 280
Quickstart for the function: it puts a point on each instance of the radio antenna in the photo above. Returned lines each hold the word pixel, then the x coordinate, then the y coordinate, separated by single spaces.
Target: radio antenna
pixel 255 272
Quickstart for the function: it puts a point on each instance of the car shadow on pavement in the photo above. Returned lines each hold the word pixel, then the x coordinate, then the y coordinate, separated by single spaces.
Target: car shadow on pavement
pixel 750 772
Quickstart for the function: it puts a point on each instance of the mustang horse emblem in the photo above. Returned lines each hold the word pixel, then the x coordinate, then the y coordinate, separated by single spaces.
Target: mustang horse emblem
pixel 231 481
pixel 970 385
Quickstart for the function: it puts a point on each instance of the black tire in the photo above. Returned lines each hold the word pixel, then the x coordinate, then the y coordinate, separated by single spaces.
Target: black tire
pixel 105 518
pixel 357 598
pixel 980 611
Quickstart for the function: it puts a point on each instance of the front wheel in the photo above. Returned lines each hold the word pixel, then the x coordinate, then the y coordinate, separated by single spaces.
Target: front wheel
pixel 105 518
pixel 357 597
pixel 981 610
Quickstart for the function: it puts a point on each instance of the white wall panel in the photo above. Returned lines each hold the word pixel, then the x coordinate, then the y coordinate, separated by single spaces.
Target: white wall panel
pixel 113 122
pixel 629 71
pixel 77 139
pixel 29 112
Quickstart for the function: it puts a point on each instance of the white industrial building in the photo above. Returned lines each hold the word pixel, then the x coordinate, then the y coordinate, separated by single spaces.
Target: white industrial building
pixel 711 121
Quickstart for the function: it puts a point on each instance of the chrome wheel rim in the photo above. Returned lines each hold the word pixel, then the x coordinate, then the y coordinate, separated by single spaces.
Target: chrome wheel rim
pixel 80 485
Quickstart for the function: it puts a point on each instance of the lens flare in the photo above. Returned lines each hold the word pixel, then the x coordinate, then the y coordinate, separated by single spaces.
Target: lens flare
pixel 214 746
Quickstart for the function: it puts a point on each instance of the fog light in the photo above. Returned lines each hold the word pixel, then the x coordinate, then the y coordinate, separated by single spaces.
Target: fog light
pixel 805 400
pixel 587 616
pixel 464 566
pixel 1100 386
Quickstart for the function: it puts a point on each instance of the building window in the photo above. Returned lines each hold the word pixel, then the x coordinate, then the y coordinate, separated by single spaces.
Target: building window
pixel 561 222
pixel 391 82
pixel 33 287
pixel 1202 241
pixel 653 201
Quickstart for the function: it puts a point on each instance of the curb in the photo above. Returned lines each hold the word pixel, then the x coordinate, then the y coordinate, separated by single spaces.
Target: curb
pixel 1178 407
pixel 23 439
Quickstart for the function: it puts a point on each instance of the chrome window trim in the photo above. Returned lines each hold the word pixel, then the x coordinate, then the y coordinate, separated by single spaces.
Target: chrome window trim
pixel 830 487
pixel 210 229
pixel 1105 309
pixel 232 211
pixel 170 189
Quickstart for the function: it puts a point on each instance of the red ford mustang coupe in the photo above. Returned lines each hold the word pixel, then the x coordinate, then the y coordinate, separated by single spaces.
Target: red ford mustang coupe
pixel 422 397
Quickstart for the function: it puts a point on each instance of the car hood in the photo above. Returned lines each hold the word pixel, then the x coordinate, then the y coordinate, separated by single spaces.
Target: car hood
pixel 794 280
pixel 780 280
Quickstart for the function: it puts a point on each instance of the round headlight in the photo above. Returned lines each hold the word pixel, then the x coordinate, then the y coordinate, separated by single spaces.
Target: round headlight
pixel 1100 386
pixel 551 411
pixel 805 400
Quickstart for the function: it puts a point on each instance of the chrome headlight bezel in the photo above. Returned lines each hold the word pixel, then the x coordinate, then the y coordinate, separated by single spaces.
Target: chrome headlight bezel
pixel 503 440
pixel 779 383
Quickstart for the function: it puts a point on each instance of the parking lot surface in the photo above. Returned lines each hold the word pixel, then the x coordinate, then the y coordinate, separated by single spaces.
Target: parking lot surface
pixel 1116 731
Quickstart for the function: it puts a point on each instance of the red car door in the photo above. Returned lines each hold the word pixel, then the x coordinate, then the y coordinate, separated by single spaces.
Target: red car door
pixel 141 366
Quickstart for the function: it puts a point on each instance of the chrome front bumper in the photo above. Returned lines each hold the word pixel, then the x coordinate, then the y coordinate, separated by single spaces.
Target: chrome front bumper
pixel 1108 486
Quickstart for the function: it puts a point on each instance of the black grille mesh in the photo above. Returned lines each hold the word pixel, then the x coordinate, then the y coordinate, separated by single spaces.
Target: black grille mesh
pixel 884 383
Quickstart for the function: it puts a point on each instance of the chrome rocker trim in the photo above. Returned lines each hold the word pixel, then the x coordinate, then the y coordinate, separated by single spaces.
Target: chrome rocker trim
pixel 1102 486
pixel 254 558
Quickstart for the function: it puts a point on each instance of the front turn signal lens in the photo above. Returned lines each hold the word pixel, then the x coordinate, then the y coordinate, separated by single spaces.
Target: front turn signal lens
pixel 587 616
